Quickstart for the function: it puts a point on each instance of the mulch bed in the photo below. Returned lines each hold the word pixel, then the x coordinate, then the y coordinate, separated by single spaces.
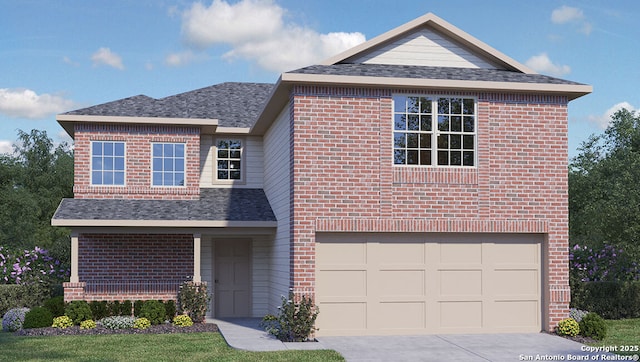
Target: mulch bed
pixel 158 329
pixel 579 339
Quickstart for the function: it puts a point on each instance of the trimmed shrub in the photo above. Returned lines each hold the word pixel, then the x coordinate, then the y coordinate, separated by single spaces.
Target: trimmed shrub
pixel 137 307
pixel 114 308
pixel 13 319
pixel 568 327
pixel 22 296
pixel 126 308
pixel 193 300
pixel 118 322
pixel 141 323
pixel 62 322
pixel 593 326
pixel 296 320
pixel 38 317
pixel 55 305
pixel 99 309
pixel 611 300
pixel 78 311
pixel 182 321
pixel 154 311
pixel 88 324
pixel 170 309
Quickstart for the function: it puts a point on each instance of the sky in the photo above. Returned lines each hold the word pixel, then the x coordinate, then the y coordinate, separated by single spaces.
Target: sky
pixel 57 56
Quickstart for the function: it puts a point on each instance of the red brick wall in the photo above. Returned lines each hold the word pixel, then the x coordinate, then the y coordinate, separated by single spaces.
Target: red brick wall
pixel 343 178
pixel 138 141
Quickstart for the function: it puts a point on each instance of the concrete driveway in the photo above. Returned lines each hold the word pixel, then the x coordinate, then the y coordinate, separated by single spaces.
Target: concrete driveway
pixel 475 347
pixel 246 334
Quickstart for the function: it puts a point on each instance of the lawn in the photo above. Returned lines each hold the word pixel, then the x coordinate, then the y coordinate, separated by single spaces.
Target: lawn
pixel 142 347
pixel 623 332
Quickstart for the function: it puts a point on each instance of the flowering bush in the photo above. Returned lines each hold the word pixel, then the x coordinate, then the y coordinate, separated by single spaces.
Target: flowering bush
pixel 62 322
pixel 24 266
pixel 182 321
pixel 118 322
pixel 568 327
pixel 295 321
pixel 577 314
pixel 141 323
pixel 13 319
pixel 608 263
pixel 193 299
pixel 88 324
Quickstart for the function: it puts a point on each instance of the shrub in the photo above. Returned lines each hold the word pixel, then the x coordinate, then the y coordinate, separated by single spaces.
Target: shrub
pixel 193 300
pixel 114 308
pixel 577 314
pixel 22 295
pixel 19 266
pixel 141 323
pixel 13 319
pixel 118 322
pixel 78 311
pixel 62 322
pixel 593 326
pixel 126 308
pixel 568 327
pixel 55 305
pixel 99 309
pixel 170 309
pixel 296 320
pixel 605 263
pixel 137 307
pixel 182 320
pixel 38 317
pixel 154 311
pixel 610 299
pixel 88 324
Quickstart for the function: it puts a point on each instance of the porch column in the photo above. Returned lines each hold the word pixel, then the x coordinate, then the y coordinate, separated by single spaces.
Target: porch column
pixel 74 258
pixel 196 258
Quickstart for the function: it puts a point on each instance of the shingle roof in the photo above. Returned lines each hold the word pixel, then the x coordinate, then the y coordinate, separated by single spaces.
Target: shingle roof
pixel 215 204
pixel 424 72
pixel 232 104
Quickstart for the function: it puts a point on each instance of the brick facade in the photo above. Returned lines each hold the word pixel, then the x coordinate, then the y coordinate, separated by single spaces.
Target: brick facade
pixel 343 177
pixel 138 141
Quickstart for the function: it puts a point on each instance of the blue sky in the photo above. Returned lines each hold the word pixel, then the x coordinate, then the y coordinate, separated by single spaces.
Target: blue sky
pixel 58 56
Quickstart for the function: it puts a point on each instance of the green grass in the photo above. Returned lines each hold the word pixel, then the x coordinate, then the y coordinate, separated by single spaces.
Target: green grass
pixel 622 332
pixel 142 347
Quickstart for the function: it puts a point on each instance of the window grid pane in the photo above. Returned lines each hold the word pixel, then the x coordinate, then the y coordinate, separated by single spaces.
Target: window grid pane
pixel 107 163
pixel 229 165
pixel 168 164
pixel 434 131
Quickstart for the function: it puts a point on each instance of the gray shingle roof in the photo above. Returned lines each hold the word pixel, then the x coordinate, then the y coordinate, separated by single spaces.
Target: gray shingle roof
pixel 424 72
pixel 215 204
pixel 233 104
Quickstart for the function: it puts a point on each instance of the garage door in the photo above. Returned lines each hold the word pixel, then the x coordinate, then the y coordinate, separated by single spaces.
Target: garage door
pixel 368 284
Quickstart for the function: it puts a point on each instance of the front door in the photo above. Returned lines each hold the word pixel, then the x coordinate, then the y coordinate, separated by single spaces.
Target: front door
pixel 232 278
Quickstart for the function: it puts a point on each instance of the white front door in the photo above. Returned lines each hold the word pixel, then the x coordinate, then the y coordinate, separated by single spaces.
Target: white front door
pixel 232 278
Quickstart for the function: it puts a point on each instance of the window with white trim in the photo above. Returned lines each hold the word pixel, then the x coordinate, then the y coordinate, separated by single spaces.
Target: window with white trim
pixel 434 131
pixel 107 163
pixel 168 163
pixel 229 159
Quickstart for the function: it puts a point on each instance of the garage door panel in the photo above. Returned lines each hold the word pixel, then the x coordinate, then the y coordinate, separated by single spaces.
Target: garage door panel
pixel 460 282
pixel 428 283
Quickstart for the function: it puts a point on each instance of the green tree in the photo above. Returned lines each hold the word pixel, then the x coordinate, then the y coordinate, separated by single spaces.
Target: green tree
pixel 33 180
pixel 604 186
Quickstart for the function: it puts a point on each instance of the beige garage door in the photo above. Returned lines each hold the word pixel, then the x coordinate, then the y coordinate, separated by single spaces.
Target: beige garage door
pixel 368 284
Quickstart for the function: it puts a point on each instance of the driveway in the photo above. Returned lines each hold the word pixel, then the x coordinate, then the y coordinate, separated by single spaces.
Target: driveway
pixel 474 347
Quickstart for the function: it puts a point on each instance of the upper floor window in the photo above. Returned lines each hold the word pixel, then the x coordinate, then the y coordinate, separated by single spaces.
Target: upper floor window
pixel 168 164
pixel 431 130
pixel 107 163
pixel 229 157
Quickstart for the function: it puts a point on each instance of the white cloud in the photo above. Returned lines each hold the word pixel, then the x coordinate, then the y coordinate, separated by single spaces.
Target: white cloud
pixel 256 30
pixel 603 120
pixel 6 147
pixel 542 64
pixel 25 103
pixel 70 62
pixel 567 14
pixel 104 56
pixel 181 59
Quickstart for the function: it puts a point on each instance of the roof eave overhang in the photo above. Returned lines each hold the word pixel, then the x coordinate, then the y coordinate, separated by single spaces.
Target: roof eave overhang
pixel 163 223
pixel 67 121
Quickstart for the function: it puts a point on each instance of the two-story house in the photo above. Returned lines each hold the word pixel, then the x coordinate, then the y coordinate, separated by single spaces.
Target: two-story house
pixel 416 183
